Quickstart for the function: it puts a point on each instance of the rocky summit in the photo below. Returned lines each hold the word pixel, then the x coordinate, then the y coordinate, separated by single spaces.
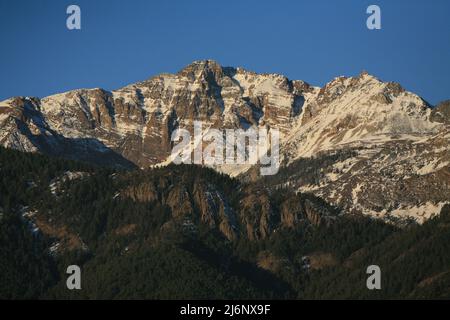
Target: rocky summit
pixel 364 145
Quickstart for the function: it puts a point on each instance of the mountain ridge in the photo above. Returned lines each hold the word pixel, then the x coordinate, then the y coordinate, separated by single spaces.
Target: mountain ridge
pixel 385 126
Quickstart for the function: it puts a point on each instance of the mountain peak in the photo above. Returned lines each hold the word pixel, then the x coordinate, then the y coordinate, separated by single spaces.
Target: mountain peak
pixel 199 67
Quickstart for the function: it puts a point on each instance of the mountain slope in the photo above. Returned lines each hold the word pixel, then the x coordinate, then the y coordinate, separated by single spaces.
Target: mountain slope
pixel 137 121
pixel 135 235
pixel 397 145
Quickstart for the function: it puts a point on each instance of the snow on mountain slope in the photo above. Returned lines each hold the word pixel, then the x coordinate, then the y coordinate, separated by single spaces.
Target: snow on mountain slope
pixel 399 163
pixel 358 111
pixel 137 121
pixel 399 145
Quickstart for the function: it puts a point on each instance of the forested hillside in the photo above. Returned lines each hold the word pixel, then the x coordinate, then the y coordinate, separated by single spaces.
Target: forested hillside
pixel 189 232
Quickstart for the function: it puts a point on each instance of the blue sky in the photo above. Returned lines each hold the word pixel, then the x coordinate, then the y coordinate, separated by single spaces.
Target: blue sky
pixel 126 41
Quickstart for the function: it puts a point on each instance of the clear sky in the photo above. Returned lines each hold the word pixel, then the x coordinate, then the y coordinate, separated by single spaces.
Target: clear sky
pixel 122 42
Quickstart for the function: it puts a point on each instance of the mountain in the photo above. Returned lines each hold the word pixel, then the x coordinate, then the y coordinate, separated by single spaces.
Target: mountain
pixel 374 147
pixel 136 121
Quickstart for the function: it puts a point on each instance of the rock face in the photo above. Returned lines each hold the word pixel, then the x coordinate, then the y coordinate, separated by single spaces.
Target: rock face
pixel 359 111
pixel 442 112
pixel 379 149
pixel 136 122
pixel 248 211
pixel 398 145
